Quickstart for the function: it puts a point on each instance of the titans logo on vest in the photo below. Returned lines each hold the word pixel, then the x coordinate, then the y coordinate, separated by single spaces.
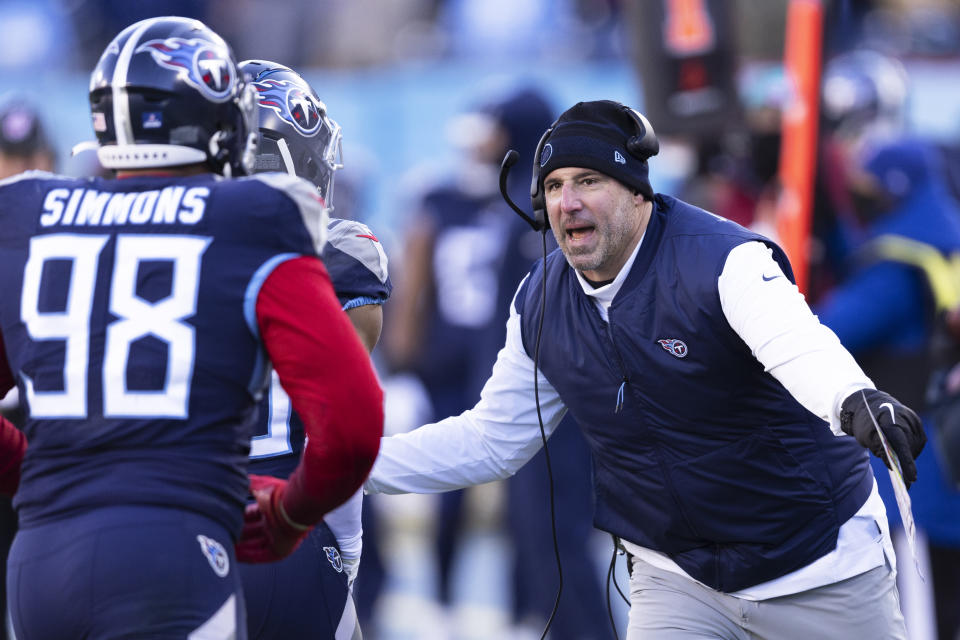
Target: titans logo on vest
pixel 87 207
pixel 674 347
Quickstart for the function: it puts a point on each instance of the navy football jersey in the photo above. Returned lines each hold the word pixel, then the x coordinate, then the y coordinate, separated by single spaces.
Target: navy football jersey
pixel 128 311
pixel 357 266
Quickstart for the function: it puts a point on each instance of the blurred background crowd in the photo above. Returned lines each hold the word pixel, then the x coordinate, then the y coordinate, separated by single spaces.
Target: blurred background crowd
pixel 431 93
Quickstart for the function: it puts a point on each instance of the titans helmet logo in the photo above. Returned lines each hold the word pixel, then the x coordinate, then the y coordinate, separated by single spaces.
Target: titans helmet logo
pixel 201 64
pixel 292 104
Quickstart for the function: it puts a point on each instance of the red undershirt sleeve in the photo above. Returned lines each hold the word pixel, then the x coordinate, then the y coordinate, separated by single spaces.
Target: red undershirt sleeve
pixel 13 444
pixel 6 376
pixel 329 377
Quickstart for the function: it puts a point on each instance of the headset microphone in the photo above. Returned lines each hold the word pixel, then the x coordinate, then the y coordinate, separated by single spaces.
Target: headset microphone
pixel 509 160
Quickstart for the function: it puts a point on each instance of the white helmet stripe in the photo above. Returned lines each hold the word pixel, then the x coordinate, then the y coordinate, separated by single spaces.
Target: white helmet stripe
pixel 122 125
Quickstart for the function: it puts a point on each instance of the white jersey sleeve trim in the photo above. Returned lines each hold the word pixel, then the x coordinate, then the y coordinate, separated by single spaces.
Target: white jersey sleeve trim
pixel 357 241
pixel 772 317
pixel 488 442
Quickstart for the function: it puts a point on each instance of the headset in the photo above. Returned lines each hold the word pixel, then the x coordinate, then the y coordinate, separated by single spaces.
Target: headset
pixel 641 145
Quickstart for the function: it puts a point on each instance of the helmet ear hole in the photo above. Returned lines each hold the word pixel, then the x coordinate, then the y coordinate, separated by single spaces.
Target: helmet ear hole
pixel 98 97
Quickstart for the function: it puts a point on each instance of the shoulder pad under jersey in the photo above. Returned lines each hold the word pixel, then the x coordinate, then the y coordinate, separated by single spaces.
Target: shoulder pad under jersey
pixel 305 197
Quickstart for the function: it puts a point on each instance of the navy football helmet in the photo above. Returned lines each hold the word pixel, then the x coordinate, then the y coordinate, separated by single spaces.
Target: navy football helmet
pixel 296 134
pixel 168 91
pixel 864 93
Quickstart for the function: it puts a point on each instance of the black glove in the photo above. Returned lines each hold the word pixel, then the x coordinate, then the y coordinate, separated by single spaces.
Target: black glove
pixel 900 425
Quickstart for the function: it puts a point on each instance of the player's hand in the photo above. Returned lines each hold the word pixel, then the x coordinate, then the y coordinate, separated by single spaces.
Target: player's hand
pixel 899 424
pixel 268 532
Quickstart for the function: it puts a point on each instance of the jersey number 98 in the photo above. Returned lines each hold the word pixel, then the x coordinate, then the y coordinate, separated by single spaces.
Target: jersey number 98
pixel 136 318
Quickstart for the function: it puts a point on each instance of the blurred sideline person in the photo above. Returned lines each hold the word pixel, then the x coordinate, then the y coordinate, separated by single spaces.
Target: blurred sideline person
pixel 308 595
pixel 140 319
pixel 458 248
pixel 716 407
pixel 894 230
pixel 903 277
pixel 944 396
pixel 863 97
pixel 24 146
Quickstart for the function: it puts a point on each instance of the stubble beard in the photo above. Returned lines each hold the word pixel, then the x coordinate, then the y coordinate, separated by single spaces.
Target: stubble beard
pixel 609 239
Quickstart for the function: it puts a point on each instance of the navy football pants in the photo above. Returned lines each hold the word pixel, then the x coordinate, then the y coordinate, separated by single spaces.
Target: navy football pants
pixel 302 596
pixel 125 572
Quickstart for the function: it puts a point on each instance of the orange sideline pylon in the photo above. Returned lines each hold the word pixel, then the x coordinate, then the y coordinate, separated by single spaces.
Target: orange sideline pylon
pixel 798 149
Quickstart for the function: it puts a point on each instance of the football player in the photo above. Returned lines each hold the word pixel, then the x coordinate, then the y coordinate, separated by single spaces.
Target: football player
pixel 308 594
pixel 140 316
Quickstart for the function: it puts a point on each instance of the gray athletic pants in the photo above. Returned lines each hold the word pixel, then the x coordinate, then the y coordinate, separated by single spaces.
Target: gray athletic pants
pixel 666 606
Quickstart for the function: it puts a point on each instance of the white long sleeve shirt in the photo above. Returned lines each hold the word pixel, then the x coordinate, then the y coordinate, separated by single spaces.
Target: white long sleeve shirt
pixel 501 433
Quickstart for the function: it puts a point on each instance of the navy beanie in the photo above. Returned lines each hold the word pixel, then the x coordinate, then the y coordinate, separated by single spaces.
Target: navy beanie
pixel 594 135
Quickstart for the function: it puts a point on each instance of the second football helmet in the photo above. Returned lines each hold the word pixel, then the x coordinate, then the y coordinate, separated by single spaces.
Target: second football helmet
pixel 864 93
pixel 296 134
pixel 168 91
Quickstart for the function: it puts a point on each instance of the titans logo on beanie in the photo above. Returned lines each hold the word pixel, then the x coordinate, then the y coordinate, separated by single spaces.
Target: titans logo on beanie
pixel 602 135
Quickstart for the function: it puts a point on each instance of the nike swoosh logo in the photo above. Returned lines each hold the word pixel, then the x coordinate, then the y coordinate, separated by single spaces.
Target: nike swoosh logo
pixel 889 406
pixel 766 279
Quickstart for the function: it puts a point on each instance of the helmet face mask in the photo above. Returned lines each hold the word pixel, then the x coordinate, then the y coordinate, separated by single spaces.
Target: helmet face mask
pixel 168 92
pixel 296 134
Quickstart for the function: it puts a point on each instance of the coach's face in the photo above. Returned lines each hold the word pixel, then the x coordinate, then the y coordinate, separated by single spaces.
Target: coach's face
pixel 596 220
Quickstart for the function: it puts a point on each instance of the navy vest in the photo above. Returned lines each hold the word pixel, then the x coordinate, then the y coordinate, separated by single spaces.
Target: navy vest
pixel 697 452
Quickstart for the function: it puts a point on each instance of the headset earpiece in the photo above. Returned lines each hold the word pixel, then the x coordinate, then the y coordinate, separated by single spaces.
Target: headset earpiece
pixel 644 144
pixel 537 199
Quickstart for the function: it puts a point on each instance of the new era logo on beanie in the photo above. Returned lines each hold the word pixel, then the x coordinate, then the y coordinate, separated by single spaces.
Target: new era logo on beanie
pixel 594 135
